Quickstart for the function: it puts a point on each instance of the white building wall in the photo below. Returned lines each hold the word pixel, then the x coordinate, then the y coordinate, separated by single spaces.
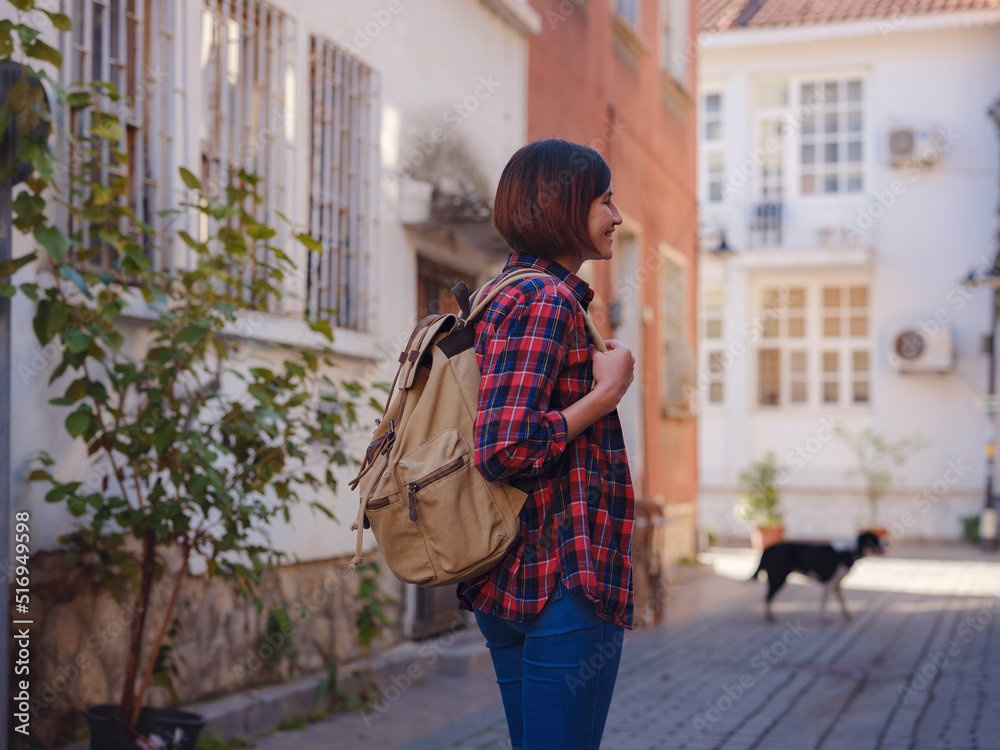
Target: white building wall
pixel 457 65
pixel 941 223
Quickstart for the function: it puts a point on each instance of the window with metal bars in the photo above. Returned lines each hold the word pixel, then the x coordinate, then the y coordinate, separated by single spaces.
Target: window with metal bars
pixel 129 43
pixel 343 187
pixel 248 116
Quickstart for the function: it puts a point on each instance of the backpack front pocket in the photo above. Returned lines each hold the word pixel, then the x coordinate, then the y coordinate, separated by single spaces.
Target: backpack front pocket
pixel 407 556
pixel 451 503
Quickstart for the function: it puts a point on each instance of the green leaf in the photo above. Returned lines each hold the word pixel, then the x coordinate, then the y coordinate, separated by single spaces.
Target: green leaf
pixel 31 291
pixel 78 99
pixel 190 334
pixel 7 289
pixel 9 266
pixel 59 20
pixel 190 180
pixel 39 475
pixel 53 240
pixel 23 5
pixel 41 51
pixel 71 274
pixel 78 422
pixel 60 492
pixel 77 341
pixel 107 127
pixel 260 231
pixel 312 244
pixel 323 327
pixel 41 321
pixel 6 42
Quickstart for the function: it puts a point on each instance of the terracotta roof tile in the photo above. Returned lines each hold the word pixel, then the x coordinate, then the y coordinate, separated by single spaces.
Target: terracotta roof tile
pixel 731 14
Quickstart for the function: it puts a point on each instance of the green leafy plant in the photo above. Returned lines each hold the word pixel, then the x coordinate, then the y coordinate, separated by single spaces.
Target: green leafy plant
pixel 759 501
pixel 876 455
pixel 196 448
pixel 370 617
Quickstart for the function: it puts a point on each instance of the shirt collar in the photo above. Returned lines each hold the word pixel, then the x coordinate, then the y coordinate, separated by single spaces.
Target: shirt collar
pixel 580 288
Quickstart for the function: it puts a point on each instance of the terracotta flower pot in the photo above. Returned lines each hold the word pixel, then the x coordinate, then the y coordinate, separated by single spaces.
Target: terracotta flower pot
pixel 761 539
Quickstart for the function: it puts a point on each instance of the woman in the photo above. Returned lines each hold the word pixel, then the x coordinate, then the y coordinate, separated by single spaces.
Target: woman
pixel 554 611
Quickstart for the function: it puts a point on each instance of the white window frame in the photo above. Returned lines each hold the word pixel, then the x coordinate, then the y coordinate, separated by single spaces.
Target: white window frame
pixel 343 205
pixel 707 147
pixel 713 347
pixel 146 85
pixel 815 344
pixel 247 118
pixel 818 139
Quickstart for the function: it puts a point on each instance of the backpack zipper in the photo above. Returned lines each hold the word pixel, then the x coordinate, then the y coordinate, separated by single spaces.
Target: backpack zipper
pixel 414 487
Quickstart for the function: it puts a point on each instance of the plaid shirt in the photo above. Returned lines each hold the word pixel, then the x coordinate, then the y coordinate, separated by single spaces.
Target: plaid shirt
pixel 533 352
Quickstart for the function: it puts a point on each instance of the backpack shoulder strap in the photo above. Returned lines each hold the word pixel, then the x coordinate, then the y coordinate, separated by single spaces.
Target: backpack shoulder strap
pixel 520 275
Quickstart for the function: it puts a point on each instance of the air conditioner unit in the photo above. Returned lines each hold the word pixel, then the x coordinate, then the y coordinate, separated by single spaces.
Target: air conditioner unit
pixel 913 145
pixel 922 349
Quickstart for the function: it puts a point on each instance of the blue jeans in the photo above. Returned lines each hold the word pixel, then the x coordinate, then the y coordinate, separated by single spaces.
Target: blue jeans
pixel 556 672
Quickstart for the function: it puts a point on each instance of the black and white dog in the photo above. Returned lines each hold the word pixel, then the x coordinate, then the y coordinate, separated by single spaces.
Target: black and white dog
pixel 821 562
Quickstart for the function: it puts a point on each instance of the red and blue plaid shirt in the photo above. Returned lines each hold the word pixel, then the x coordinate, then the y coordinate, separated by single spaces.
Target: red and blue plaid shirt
pixel 534 355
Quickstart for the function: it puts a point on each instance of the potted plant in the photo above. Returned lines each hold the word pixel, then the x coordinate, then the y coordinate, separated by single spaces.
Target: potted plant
pixel 759 504
pixel 196 448
pixel 875 456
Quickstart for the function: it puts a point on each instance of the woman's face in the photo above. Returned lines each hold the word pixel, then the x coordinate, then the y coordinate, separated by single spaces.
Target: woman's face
pixel 601 223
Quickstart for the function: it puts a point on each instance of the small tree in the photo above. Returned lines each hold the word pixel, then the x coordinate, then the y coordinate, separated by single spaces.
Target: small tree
pixel 194 449
pixel 876 455
pixel 759 502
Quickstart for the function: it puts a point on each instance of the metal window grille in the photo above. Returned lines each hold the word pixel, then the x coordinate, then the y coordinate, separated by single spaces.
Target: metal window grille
pixel 343 187
pixel 129 43
pixel 248 124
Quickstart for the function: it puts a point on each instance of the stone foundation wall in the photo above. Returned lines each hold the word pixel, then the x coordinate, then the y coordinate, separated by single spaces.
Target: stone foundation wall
pixel 80 635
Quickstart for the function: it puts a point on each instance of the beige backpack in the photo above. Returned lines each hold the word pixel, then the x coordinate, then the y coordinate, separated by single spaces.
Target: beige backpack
pixel 435 517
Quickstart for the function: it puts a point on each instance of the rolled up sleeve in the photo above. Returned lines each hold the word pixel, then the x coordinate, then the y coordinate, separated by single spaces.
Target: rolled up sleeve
pixel 517 433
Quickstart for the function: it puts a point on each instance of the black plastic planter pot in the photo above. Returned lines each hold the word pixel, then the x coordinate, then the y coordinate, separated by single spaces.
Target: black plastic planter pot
pixel 165 728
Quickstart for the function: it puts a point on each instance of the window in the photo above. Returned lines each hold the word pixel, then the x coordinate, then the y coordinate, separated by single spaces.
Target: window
pixel 712 318
pixel 713 149
pixel 248 112
pixel 674 40
pixel 831 149
pixel 783 364
pixel 769 128
pixel 713 314
pixel 629 10
pixel 845 311
pixel 814 339
pixel 716 370
pixel 342 198
pixel 130 44
pixel 678 356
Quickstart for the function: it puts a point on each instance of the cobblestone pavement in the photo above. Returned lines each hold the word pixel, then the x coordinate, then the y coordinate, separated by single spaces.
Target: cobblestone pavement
pixel 918 667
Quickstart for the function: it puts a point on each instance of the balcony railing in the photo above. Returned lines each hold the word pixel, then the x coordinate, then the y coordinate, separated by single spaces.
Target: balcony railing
pixel 766 225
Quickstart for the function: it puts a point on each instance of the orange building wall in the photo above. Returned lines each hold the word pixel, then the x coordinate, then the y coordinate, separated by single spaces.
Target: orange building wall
pixel 582 89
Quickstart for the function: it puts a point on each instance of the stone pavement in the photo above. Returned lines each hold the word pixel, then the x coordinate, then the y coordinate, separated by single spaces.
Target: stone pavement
pixel 918 667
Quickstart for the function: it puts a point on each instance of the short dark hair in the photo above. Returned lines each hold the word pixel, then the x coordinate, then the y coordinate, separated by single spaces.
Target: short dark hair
pixel 544 198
